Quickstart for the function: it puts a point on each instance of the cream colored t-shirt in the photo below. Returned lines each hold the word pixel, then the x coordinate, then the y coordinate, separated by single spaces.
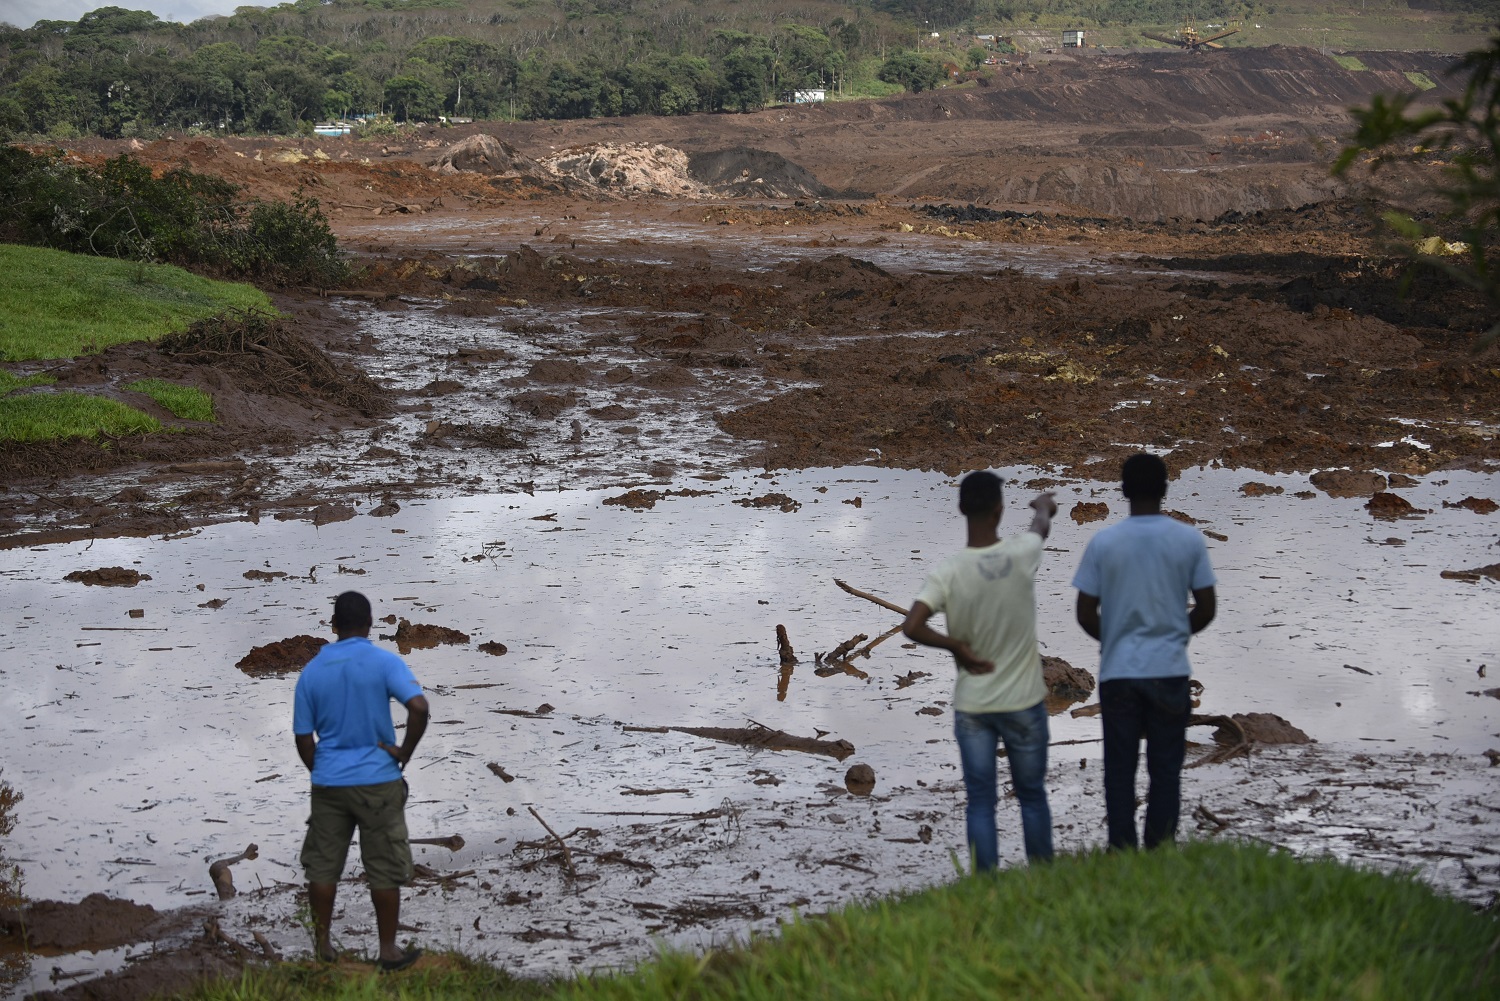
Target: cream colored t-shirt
pixel 988 597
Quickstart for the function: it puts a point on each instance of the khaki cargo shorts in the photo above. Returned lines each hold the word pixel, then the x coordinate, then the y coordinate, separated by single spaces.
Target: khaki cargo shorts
pixel 379 811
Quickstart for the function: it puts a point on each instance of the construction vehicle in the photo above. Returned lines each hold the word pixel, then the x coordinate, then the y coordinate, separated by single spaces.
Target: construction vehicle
pixel 1187 36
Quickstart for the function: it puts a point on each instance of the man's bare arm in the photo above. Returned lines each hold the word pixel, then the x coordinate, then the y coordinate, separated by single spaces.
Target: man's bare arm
pixel 306 749
pixel 1087 611
pixel 417 712
pixel 916 629
pixel 1205 605
pixel 1046 507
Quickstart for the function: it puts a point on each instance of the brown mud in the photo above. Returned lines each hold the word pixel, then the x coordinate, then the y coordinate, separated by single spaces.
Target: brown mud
pixel 286 656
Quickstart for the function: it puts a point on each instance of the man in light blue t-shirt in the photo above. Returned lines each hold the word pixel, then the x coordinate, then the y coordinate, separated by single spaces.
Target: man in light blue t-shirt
pixel 341 717
pixel 1133 584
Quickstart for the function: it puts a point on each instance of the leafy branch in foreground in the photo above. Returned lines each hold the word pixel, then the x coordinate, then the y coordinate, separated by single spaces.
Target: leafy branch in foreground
pixel 1463 133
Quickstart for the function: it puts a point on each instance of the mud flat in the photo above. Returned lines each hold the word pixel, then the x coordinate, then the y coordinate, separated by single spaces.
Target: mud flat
pixel 621 624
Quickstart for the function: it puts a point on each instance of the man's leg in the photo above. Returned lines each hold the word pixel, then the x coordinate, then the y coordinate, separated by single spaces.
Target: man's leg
pixel 1120 709
pixel 386 853
pixel 1025 736
pixel 976 752
pixel 1167 706
pixel 330 826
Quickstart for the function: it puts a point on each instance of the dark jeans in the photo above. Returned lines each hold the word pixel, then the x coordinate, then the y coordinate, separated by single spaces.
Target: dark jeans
pixel 1157 709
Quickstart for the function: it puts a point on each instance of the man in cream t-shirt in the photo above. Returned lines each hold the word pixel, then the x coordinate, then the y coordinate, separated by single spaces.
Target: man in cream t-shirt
pixel 987 594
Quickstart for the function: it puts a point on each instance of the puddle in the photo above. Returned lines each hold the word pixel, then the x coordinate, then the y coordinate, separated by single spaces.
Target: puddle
pixel 142 751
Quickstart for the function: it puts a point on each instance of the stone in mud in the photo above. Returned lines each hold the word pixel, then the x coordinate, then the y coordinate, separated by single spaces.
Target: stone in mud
pixel 1389 505
pixel 494 649
pixel 386 508
pixel 286 656
pixel 860 780
pixel 108 577
pixel 1348 483
pixel 1087 511
pixel 328 514
pixel 779 501
pixel 485 154
pixel 421 636
pixel 1268 728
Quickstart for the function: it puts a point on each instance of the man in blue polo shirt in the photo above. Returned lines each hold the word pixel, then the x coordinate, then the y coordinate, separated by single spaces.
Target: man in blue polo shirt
pixel 1133 585
pixel 342 721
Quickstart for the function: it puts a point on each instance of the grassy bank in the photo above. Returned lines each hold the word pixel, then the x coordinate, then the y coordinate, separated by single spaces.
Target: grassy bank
pixel 59 305
pixel 1212 921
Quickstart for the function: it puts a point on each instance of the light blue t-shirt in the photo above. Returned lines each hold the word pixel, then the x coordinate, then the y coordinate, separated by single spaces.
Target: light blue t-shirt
pixel 1142 570
pixel 344 697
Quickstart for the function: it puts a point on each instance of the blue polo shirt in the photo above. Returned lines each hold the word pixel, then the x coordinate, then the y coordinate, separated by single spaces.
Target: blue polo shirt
pixel 344 697
pixel 1143 570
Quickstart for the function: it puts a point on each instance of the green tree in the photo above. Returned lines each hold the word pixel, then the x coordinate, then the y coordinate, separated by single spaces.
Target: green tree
pixel 411 97
pixel 1464 134
pixel 913 72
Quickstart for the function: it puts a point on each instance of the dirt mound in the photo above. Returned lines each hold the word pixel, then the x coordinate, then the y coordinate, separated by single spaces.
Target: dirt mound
pixel 1389 505
pixel 840 273
pixel 1348 483
pixel 286 656
pixel 558 371
pixel 780 502
pixel 267 356
pixel 420 636
pixel 95 922
pixel 1086 511
pixel 1066 684
pixel 1257 489
pixel 630 169
pixel 485 154
pixel 1479 505
pixel 108 577
pixel 1268 728
pixel 541 404
pixel 743 172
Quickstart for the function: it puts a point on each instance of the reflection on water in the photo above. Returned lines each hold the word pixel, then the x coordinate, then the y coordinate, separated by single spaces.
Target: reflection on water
pixel 15 963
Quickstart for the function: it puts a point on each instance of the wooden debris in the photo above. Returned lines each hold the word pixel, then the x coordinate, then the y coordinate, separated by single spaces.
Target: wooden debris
pixel 219 872
pixel 870 597
pixel 784 647
pixel 499 770
pixel 864 651
pixel 628 791
pixel 453 842
pixel 763 737
pixel 842 650
pixel 567 854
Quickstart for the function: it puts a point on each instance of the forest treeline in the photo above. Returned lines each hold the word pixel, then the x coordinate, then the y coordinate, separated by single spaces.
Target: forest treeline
pixel 117 72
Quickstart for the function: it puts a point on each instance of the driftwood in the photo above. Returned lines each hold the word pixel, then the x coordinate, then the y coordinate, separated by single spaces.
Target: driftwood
pixel 1237 745
pixel 759 736
pixel 864 651
pixel 628 791
pixel 842 650
pixel 870 597
pixel 499 770
pixel 219 871
pixel 784 647
pixel 453 842
pixel 567 853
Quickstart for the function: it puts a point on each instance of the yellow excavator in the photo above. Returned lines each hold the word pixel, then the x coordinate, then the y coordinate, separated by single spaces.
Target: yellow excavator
pixel 1187 36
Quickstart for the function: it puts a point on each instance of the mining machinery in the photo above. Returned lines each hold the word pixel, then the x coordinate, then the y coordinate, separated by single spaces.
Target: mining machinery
pixel 1187 36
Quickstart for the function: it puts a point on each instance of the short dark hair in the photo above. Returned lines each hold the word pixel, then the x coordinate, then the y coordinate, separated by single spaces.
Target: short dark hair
pixel 351 612
pixel 1145 476
pixel 978 494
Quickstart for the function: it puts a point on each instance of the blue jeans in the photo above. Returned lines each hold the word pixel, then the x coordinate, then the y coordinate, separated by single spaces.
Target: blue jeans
pixel 1156 709
pixel 1025 735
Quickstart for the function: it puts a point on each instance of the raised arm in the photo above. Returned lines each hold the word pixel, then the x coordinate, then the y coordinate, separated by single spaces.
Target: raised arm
pixel 1045 507
pixel 917 629
pixel 1205 605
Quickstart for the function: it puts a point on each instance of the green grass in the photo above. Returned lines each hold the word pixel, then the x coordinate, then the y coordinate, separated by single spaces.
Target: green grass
pixel 1350 63
pixel 44 416
pixel 9 381
pixel 1217 922
pixel 187 402
pixel 58 305
pixel 1421 81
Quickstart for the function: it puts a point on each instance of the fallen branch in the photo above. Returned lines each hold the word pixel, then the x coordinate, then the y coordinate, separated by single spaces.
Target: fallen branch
pixel 848 865
pixel 864 651
pixel 842 650
pixel 567 854
pixel 870 597
pixel 220 874
pixel 505 776
pixel 784 647
pixel 650 792
pixel 266 948
pixel 763 737
pixel 453 842
pixel 1241 742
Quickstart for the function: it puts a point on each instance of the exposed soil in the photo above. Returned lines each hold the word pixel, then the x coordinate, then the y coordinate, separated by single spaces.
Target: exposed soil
pixel 282 657
pixel 1064 263
pixel 108 577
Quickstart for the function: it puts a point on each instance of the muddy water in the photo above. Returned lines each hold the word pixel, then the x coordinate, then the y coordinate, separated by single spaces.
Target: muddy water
pixel 143 752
